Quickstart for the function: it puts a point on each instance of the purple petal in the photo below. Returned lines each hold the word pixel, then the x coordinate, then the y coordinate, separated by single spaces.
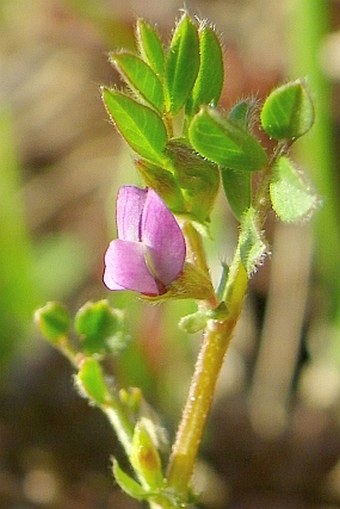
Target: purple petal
pixel 163 237
pixel 130 204
pixel 125 268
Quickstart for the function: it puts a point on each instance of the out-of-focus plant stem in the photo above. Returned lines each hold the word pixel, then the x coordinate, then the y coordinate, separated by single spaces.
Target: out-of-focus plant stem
pixel 306 28
pixel 19 293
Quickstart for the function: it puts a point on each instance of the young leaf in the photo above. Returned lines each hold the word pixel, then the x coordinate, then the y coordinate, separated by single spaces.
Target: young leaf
pixel 127 484
pixel 91 381
pixel 209 81
pixel 288 112
pixel 197 178
pixel 224 142
pixel 292 199
pixel 252 246
pixel 164 183
pixel 150 47
pixel 101 328
pixel 237 188
pixel 140 77
pixel 242 112
pixel 182 64
pixel 237 185
pixel 142 128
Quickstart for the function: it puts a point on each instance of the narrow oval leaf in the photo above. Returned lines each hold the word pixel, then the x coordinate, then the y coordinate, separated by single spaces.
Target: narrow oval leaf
pixel 150 47
pixel 237 188
pixel 251 244
pixel 142 128
pixel 224 142
pixel 209 81
pixel 128 484
pixel 91 381
pixel 292 199
pixel 288 112
pixel 182 64
pixel 140 77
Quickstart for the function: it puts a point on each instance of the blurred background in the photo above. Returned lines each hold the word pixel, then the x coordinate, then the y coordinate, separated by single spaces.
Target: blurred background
pixel 273 439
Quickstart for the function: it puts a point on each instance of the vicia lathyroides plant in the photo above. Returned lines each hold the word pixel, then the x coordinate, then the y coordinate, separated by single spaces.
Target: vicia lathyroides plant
pixel 186 148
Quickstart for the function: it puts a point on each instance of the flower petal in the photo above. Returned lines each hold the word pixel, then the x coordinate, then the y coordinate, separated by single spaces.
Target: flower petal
pixel 125 268
pixel 130 204
pixel 163 239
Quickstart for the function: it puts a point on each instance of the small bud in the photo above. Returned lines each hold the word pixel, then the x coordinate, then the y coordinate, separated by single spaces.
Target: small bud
pixel 194 322
pixel 54 321
pixel 144 457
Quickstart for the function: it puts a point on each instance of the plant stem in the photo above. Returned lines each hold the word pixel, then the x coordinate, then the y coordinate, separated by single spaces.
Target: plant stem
pixel 117 417
pixel 114 409
pixel 216 340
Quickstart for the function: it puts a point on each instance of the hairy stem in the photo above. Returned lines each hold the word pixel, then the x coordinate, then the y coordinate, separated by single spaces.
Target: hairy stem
pixel 216 339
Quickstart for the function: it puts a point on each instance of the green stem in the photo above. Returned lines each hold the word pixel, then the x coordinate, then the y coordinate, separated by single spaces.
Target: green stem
pixel 216 339
pixel 307 26
pixel 118 419
pixel 113 409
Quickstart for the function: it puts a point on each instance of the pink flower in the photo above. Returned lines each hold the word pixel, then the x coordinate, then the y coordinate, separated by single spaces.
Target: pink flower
pixel 149 253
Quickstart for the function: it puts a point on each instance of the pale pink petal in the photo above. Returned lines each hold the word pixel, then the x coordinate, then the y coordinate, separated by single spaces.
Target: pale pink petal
pixel 163 237
pixel 125 268
pixel 130 204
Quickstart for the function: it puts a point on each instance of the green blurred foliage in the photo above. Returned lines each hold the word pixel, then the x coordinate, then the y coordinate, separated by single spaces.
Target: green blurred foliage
pixel 19 293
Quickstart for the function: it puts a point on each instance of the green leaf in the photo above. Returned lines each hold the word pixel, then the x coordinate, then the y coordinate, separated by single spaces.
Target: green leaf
pixel 238 190
pixel 237 185
pixel 252 247
pixel 224 142
pixel 288 112
pixel 54 321
pixel 101 328
pixel 182 64
pixel 197 177
pixel 140 77
pixel 164 183
pixel 128 484
pixel 142 128
pixel 91 381
pixel 292 199
pixel 150 47
pixel 209 82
